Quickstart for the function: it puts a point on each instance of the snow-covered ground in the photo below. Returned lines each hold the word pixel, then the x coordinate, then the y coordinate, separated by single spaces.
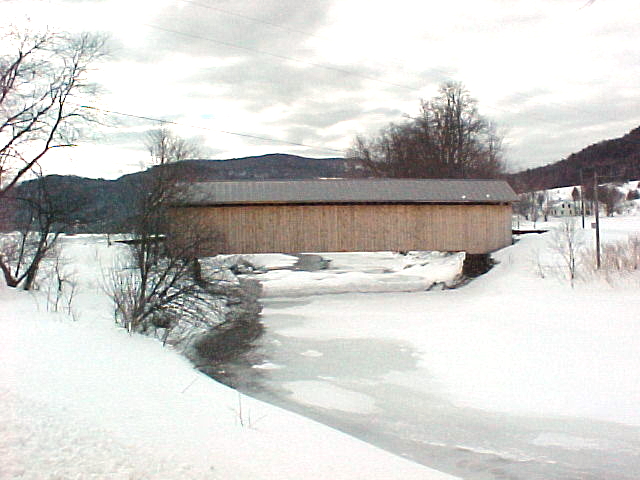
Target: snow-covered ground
pixel 371 272
pixel 83 399
pixel 567 351
pixel 510 341
pixel 515 374
pixel 518 342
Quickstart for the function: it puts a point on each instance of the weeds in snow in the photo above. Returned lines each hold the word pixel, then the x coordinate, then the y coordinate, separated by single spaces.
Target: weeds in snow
pixel 243 416
pixel 571 259
pixel 618 260
pixel 567 242
pixel 61 289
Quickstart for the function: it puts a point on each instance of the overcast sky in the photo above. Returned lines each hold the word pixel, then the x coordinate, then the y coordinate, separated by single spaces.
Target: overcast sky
pixel 554 75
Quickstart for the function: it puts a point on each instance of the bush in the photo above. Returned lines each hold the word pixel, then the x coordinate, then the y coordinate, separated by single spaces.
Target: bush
pixel 633 195
pixel 616 258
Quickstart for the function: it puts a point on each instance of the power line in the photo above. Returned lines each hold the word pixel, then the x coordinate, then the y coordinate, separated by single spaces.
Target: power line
pixel 280 26
pixel 228 132
pixel 329 67
pixel 316 65
pixel 523 96
pixel 253 19
pixel 278 56
pixel 355 74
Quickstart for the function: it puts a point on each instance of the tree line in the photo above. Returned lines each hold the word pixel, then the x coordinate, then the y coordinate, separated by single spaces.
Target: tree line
pixel 447 139
pixel 612 160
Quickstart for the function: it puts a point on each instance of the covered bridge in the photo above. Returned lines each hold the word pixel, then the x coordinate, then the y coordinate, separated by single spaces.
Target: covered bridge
pixel 291 216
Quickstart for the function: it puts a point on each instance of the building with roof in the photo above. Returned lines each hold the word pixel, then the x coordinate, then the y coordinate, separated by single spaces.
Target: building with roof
pixel 565 208
pixel 333 215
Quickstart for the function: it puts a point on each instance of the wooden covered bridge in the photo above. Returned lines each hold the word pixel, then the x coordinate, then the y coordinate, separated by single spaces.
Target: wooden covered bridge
pixel 292 216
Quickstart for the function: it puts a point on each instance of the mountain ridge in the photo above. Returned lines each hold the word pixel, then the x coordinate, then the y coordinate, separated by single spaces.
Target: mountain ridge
pixel 613 160
pixel 107 204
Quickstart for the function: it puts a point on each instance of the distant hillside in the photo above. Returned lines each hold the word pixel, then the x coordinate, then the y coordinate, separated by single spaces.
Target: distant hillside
pixel 613 160
pixel 265 167
pixel 106 204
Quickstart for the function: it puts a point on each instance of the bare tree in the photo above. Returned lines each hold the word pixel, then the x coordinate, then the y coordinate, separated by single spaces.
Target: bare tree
pixel 523 206
pixel 39 82
pixel 534 212
pixel 611 196
pixel 566 241
pixel 545 204
pixel 448 139
pixel 39 215
pixel 164 146
pixel 575 194
pixel 62 288
pixel 159 283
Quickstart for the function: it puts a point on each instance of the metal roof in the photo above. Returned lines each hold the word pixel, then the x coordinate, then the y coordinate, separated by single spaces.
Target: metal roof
pixel 345 191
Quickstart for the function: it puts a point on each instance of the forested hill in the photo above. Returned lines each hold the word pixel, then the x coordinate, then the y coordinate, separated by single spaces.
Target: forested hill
pixel 264 167
pixel 616 159
pixel 104 205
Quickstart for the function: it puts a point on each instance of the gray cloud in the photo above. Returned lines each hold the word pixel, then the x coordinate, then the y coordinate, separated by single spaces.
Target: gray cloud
pixel 230 29
pixel 262 73
pixel 316 114
pixel 544 133
pixel 259 84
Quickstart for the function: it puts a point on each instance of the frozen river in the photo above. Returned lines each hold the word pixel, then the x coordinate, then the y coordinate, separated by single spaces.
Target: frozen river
pixel 513 376
pixel 377 391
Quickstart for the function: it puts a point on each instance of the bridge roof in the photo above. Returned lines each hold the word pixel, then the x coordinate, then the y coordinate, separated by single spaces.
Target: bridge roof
pixel 344 191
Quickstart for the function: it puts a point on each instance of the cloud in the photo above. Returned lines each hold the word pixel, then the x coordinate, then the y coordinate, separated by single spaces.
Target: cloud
pixel 320 115
pixel 260 83
pixel 229 29
pixel 542 133
pixel 556 76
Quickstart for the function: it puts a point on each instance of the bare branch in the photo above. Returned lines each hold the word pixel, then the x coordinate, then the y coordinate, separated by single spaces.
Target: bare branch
pixel 448 139
pixel 37 85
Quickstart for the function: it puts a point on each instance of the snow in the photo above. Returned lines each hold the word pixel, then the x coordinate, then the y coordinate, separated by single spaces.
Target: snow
pixel 569 442
pixel 375 272
pixel 266 261
pixel 267 366
pixel 325 395
pixel 312 353
pixel 510 341
pixel 83 399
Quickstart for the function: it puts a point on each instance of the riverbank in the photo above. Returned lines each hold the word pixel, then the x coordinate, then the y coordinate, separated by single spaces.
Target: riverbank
pixel 515 374
pixel 81 398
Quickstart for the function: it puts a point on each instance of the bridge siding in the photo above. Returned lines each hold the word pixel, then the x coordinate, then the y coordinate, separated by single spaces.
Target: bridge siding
pixel 477 228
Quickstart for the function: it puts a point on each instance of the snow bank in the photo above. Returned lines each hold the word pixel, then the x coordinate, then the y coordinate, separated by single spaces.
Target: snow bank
pixel 511 340
pixel 86 400
pixel 325 395
pixel 366 272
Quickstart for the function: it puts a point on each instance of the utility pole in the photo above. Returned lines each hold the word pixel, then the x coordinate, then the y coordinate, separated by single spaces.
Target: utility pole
pixel 597 212
pixel 582 197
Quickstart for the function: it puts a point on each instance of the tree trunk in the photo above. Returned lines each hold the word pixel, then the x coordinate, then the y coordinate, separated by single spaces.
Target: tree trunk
pixel 10 280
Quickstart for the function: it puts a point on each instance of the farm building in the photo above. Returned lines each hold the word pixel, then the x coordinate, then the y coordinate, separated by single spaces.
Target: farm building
pixel 565 208
pixel 292 216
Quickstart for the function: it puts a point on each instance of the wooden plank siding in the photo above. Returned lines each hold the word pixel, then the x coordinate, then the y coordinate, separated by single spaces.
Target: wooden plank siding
pixel 293 228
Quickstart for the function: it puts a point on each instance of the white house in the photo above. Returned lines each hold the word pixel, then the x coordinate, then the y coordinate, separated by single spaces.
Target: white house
pixel 565 208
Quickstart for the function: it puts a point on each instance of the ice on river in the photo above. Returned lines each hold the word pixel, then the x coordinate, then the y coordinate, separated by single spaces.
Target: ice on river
pixel 517 362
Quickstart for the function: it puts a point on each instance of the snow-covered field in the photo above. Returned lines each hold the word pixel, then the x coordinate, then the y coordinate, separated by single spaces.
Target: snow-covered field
pixel 82 399
pixel 510 341
pixel 518 342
